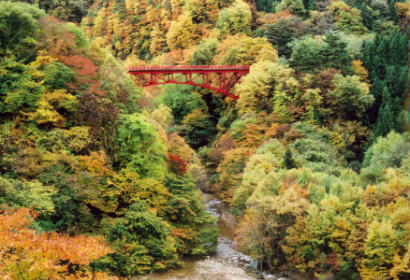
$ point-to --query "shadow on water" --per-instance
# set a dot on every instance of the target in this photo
(226, 263)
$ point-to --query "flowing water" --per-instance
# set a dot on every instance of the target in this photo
(226, 263)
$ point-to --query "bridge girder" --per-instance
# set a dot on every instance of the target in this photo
(217, 78)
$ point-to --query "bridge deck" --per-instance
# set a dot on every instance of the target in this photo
(211, 68)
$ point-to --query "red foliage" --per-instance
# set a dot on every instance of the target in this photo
(176, 164)
(86, 72)
(333, 262)
(82, 65)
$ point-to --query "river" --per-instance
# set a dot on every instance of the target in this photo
(226, 263)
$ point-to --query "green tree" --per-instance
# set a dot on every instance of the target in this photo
(18, 91)
(367, 14)
(368, 56)
(57, 75)
(350, 98)
(385, 121)
(394, 44)
(351, 22)
(380, 66)
(334, 54)
(283, 32)
(288, 160)
(403, 82)
(139, 146)
(202, 128)
(311, 5)
(306, 54)
(387, 151)
(376, 90)
(265, 5)
(22, 193)
(142, 243)
(18, 27)
(394, 16)
(181, 100)
(315, 54)
(205, 53)
(295, 7)
(382, 49)
(391, 81)
(403, 50)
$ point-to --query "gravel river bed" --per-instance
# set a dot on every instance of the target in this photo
(226, 263)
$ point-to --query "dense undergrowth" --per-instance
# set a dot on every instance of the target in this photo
(313, 158)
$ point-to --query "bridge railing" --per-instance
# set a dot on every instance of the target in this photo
(187, 67)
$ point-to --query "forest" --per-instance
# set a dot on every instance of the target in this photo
(102, 179)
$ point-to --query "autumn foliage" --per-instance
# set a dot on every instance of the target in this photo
(100, 174)
(30, 255)
(177, 165)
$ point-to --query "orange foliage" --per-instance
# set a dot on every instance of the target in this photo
(230, 170)
(252, 135)
(226, 143)
(273, 18)
(182, 233)
(82, 65)
(57, 41)
(27, 255)
(360, 71)
(176, 145)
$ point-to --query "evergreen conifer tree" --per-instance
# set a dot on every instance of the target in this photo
(366, 51)
(376, 90)
(289, 161)
(403, 82)
(400, 122)
(316, 116)
(380, 66)
(382, 49)
(265, 6)
(311, 5)
(391, 81)
(305, 4)
(387, 98)
(394, 49)
(366, 119)
(378, 39)
(334, 54)
(398, 105)
(367, 17)
(368, 56)
(403, 52)
(394, 16)
(385, 121)
(368, 63)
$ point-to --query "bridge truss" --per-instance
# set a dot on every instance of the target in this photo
(219, 78)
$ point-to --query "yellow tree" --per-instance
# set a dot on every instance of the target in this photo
(181, 34)
(249, 51)
(235, 19)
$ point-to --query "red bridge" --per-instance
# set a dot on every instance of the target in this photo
(217, 78)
